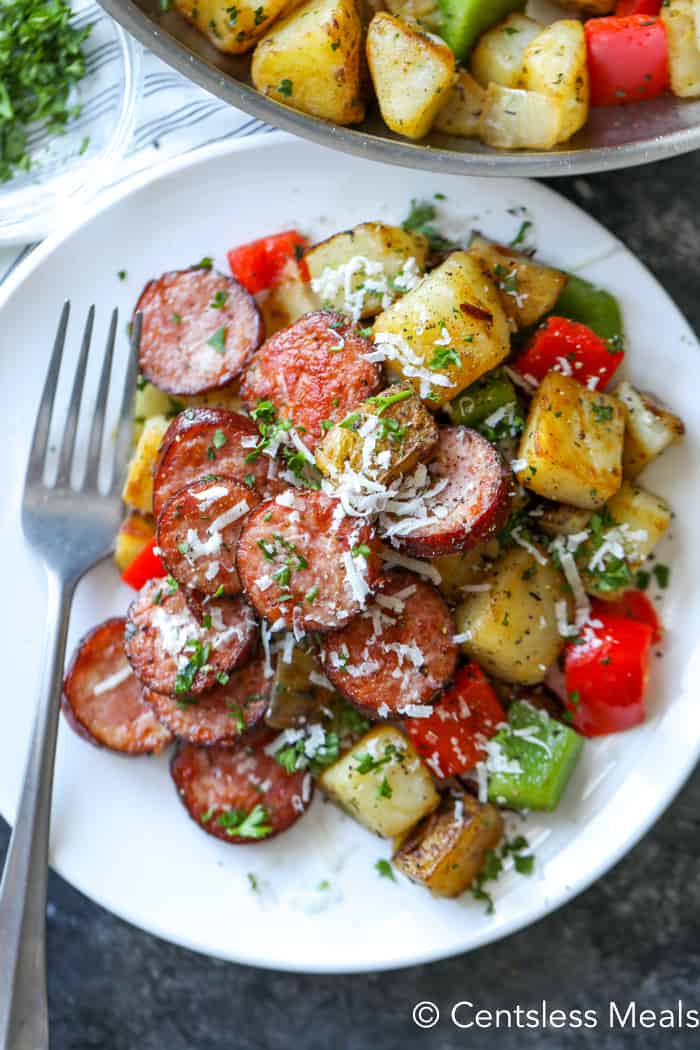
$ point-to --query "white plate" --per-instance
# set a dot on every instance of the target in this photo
(119, 833)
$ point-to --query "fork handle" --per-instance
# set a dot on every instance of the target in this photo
(24, 1023)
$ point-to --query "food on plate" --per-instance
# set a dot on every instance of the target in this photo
(199, 330)
(402, 557)
(102, 697)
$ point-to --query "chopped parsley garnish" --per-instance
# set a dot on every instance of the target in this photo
(523, 862)
(239, 824)
(176, 319)
(367, 763)
(235, 711)
(420, 219)
(384, 789)
(218, 340)
(295, 756)
(521, 236)
(219, 592)
(602, 412)
(219, 439)
(383, 401)
(172, 584)
(205, 263)
(311, 594)
(443, 357)
(663, 575)
(219, 300)
(121, 274)
(385, 870)
(184, 679)
(361, 551)
(286, 87)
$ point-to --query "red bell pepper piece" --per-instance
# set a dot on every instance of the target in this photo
(627, 59)
(145, 566)
(451, 738)
(634, 605)
(637, 7)
(262, 264)
(606, 673)
(572, 348)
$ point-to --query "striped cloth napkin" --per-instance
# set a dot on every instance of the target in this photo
(173, 117)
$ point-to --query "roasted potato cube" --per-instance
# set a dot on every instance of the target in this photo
(363, 270)
(649, 429)
(299, 689)
(233, 29)
(571, 448)
(403, 435)
(516, 119)
(557, 519)
(286, 303)
(311, 61)
(382, 782)
(467, 571)
(461, 114)
(135, 533)
(498, 57)
(555, 64)
(412, 73)
(528, 289)
(682, 21)
(447, 332)
(426, 13)
(149, 401)
(512, 628)
(138, 487)
(646, 516)
(446, 851)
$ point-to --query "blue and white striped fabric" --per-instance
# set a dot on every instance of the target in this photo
(173, 117)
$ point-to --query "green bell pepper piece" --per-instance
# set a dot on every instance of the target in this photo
(585, 302)
(541, 770)
(478, 401)
(463, 21)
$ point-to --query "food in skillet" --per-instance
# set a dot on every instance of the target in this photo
(398, 553)
(483, 69)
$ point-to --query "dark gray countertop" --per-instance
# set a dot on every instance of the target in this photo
(634, 935)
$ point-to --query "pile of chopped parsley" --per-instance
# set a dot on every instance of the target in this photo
(41, 60)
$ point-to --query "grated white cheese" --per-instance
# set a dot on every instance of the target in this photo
(529, 547)
(113, 680)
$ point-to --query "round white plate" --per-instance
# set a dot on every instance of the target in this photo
(119, 833)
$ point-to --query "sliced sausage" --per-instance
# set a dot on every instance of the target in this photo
(172, 653)
(206, 443)
(222, 714)
(314, 370)
(468, 497)
(199, 330)
(221, 787)
(102, 696)
(398, 654)
(198, 530)
(301, 559)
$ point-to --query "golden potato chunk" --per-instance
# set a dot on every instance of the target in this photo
(498, 56)
(286, 303)
(362, 270)
(571, 448)
(528, 289)
(446, 851)
(512, 629)
(649, 430)
(384, 437)
(461, 114)
(382, 782)
(646, 517)
(516, 119)
(412, 73)
(426, 13)
(138, 487)
(233, 28)
(447, 332)
(135, 533)
(466, 571)
(311, 61)
(299, 689)
(682, 21)
(555, 64)
(149, 401)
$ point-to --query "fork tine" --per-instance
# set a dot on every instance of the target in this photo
(65, 458)
(92, 468)
(37, 454)
(122, 444)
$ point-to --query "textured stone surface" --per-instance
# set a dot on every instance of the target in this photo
(636, 934)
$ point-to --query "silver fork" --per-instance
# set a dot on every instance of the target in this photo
(70, 529)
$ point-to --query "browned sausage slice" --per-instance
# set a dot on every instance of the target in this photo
(398, 654)
(222, 714)
(206, 443)
(471, 489)
(102, 696)
(301, 559)
(200, 329)
(315, 370)
(198, 532)
(240, 795)
(172, 653)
